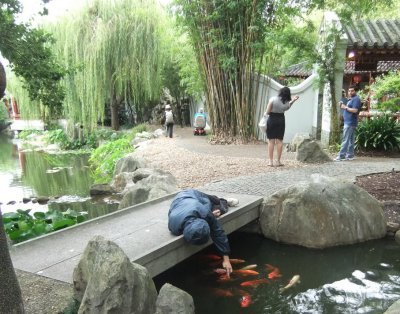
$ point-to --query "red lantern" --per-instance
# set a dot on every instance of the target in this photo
(357, 78)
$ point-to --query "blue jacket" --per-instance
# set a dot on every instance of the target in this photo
(350, 118)
(190, 204)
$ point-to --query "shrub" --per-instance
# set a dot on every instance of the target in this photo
(105, 157)
(379, 133)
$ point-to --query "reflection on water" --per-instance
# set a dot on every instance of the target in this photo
(64, 178)
(362, 278)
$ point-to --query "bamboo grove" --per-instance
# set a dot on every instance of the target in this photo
(113, 52)
(228, 37)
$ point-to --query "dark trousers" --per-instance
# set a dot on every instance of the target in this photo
(170, 127)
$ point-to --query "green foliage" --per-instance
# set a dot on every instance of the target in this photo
(3, 112)
(21, 225)
(25, 134)
(113, 51)
(28, 50)
(379, 133)
(105, 157)
(386, 90)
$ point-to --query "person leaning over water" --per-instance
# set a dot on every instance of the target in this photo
(276, 123)
(194, 214)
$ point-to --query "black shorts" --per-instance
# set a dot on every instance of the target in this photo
(276, 126)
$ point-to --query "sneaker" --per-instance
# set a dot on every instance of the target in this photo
(338, 158)
(350, 158)
(232, 201)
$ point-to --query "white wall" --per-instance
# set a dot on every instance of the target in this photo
(303, 115)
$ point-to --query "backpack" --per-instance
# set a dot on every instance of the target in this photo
(169, 117)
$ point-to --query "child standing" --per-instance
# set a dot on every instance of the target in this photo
(169, 120)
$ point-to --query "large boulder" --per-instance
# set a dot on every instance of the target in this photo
(100, 189)
(129, 163)
(321, 213)
(105, 281)
(154, 183)
(309, 151)
(142, 137)
(297, 139)
(394, 308)
(172, 300)
(121, 180)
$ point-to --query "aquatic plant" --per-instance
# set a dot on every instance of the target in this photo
(21, 225)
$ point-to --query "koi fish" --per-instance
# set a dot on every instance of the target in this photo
(252, 266)
(245, 300)
(253, 283)
(222, 292)
(211, 257)
(245, 272)
(294, 281)
(223, 278)
(274, 274)
(219, 271)
(270, 267)
(236, 261)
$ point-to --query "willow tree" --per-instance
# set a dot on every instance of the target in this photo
(114, 52)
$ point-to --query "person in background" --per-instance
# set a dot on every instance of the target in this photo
(350, 121)
(169, 120)
(276, 123)
(194, 214)
(343, 100)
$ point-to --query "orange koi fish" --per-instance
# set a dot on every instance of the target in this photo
(236, 261)
(223, 278)
(253, 283)
(270, 267)
(252, 266)
(211, 257)
(245, 272)
(274, 274)
(219, 271)
(245, 300)
(222, 292)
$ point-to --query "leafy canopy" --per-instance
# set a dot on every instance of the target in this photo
(29, 53)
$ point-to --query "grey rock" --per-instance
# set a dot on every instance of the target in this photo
(26, 200)
(158, 133)
(397, 236)
(309, 151)
(105, 281)
(172, 300)
(129, 163)
(297, 139)
(121, 180)
(157, 184)
(43, 200)
(392, 227)
(101, 189)
(394, 308)
(321, 213)
(143, 173)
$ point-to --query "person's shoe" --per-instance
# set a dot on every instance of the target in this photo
(232, 201)
(338, 158)
(350, 158)
(270, 164)
(278, 164)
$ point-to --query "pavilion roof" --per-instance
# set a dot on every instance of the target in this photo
(373, 34)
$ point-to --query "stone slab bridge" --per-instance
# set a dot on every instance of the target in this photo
(141, 231)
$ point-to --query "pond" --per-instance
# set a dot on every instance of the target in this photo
(61, 181)
(362, 278)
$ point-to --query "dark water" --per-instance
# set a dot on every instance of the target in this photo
(64, 178)
(362, 278)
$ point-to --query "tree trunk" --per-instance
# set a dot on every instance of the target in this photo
(114, 113)
(10, 292)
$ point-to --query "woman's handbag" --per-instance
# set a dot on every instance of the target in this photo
(263, 123)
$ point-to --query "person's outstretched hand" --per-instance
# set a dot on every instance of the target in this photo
(226, 264)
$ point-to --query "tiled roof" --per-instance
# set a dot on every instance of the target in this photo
(374, 34)
(382, 66)
(299, 70)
